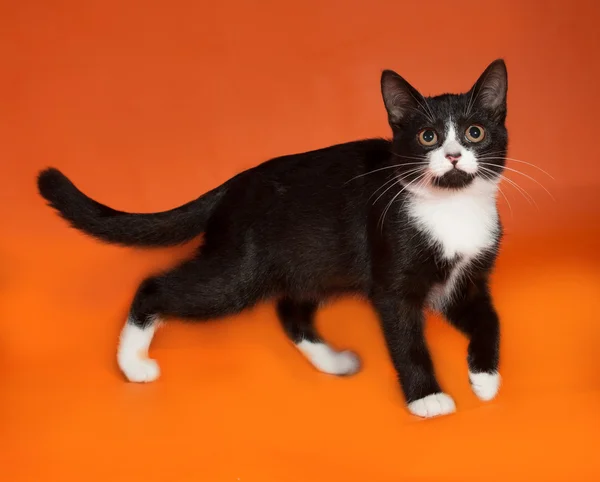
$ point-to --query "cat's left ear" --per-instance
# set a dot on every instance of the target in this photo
(489, 92)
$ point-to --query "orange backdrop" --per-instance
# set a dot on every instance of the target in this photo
(146, 104)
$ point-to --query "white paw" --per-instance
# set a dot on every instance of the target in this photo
(328, 360)
(432, 405)
(485, 385)
(132, 355)
(141, 370)
(345, 363)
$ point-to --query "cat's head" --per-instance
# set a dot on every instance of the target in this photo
(448, 141)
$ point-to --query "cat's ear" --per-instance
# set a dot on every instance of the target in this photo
(489, 92)
(399, 96)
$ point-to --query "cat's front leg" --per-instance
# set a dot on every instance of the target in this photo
(402, 322)
(473, 313)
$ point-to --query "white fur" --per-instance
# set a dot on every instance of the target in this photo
(432, 405)
(132, 355)
(328, 360)
(439, 165)
(462, 222)
(485, 385)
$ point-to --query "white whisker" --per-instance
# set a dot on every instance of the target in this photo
(416, 158)
(398, 180)
(523, 174)
(382, 218)
(507, 201)
(383, 169)
(393, 179)
(427, 114)
(489, 178)
(486, 158)
(528, 197)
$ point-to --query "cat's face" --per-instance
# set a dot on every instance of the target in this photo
(447, 142)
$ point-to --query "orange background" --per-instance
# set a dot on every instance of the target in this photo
(146, 104)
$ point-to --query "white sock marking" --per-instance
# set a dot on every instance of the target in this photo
(485, 385)
(328, 360)
(432, 405)
(132, 355)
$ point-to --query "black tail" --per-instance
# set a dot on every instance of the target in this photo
(166, 228)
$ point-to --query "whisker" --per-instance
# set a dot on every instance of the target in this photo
(427, 106)
(468, 108)
(486, 158)
(528, 197)
(423, 182)
(402, 156)
(527, 176)
(383, 169)
(421, 112)
(512, 214)
(412, 163)
(382, 218)
(398, 180)
(489, 178)
(394, 178)
(427, 114)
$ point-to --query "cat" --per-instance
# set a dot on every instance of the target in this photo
(410, 223)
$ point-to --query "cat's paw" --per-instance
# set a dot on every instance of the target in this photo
(328, 360)
(140, 370)
(346, 363)
(485, 385)
(340, 363)
(432, 405)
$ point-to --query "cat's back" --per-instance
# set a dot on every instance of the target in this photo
(308, 182)
(308, 208)
(331, 166)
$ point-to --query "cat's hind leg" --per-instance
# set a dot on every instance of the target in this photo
(209, 286)
(297, 318)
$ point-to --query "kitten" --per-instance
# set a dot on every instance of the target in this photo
(409, 223)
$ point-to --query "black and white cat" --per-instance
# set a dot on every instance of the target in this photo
(408, 223)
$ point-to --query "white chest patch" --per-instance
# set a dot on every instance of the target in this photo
(462, 223)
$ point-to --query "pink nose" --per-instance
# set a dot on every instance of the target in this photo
(453, 158)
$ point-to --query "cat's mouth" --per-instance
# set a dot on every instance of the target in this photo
(453, 179)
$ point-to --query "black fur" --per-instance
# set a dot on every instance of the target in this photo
(306, 227)
(156, 229)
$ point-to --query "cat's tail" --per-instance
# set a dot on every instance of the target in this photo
(165, 228)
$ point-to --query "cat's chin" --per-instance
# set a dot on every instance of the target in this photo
(453, 179)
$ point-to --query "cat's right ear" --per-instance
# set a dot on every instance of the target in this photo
(399, 97)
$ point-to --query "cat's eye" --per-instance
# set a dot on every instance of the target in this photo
(428, 137)
(475, 133)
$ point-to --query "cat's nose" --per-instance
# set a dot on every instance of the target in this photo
(453, 158)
